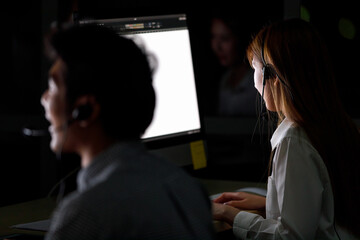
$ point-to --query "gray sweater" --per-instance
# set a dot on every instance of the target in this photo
(127, 193)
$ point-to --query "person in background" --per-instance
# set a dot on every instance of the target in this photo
(313, 190)
(99, 102)
(229, 38)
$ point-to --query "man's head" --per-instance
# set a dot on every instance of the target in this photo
(108, 74)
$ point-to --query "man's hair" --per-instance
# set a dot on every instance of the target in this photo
(114, 70)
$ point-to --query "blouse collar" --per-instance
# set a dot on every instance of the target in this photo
(280, 132)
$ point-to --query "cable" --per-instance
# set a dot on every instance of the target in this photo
(337, 234)
(58, 154)
(61, 183)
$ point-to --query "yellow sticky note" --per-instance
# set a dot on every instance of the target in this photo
(198, 154)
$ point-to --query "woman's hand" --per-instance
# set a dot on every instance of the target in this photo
(229, 204)
(242, 200)
(224, 213)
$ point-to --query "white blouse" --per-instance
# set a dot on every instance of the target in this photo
(299, 201)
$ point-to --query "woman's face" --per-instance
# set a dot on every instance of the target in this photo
(54, 103)
(258, 83)
(223, 43)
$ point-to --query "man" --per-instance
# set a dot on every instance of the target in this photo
(99, 102)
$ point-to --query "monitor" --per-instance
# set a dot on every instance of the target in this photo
(176, 121)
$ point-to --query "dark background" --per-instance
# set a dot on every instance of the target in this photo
(29, 169)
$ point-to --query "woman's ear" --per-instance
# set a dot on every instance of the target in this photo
(86, 110)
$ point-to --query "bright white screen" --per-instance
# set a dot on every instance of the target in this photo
(176, 100)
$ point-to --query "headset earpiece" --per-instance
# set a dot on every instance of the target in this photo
(266, 74)
(82, 112)
(266, 68)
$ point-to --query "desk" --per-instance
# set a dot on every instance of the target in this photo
(22, 213)
(42, 208)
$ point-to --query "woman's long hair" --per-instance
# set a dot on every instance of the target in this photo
(308, 96)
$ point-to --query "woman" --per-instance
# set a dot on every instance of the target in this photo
(313, 190)
(235, 88)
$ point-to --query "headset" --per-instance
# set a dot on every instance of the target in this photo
(80, 113)
(269, 72)
(266, 71)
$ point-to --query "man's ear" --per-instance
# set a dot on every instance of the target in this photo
(86, 110)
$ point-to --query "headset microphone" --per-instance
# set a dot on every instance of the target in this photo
(30, 132)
